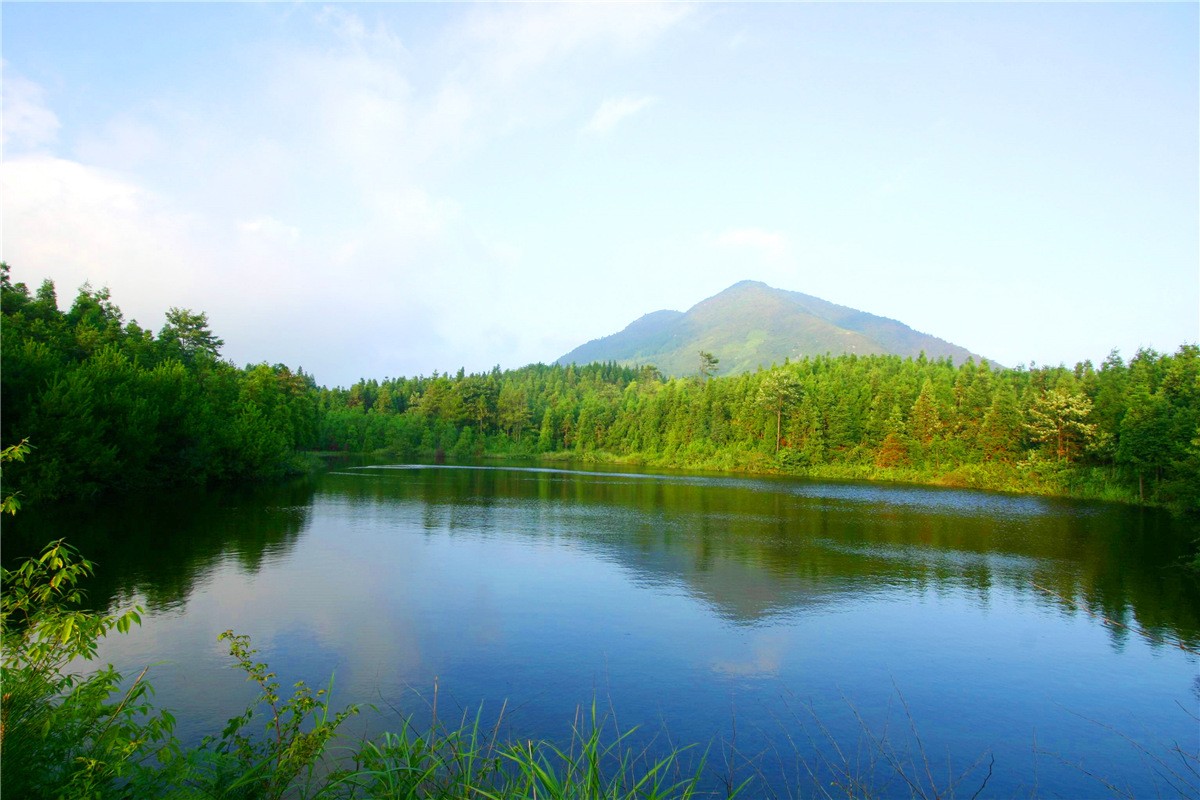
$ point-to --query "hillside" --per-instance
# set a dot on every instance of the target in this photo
(751, 324)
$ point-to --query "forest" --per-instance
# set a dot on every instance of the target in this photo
(108, 405)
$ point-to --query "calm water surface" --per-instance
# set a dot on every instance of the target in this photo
(772, 617)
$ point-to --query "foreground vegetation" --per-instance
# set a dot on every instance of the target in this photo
(112, 406)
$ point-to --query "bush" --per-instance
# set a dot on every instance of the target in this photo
(65, 733)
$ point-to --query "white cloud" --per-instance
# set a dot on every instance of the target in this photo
(270, 228)
(365, 103)
(509, 42)
(90, 224)
(323, 225)
(418, 212)
(771, 244)
(269, 299)
(350, 109)
(123, 143)
(350, 27)
(613, 110)
(28, 123)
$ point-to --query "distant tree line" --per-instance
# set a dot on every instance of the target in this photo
(108, 404)
(1128, 431)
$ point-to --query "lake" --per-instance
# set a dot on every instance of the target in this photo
(788, 627)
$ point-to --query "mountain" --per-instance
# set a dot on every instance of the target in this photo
(752, 324)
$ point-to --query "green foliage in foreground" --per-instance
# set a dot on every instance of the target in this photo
(65, 733)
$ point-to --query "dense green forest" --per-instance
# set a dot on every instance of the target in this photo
(108, 405)
(1125, 431)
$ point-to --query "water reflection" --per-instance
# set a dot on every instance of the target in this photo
(752, 548)
(677, 597)
(159, 548)
(756, 548)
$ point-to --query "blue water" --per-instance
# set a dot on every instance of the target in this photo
(796, 631)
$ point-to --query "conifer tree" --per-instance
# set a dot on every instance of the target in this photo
(893, 449)
(1058, 418)
(1000, 434)
(1144, 442)
(187, 335)
(512, 410)
(778, 390)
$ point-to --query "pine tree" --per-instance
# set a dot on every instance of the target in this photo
(1000, 434)
(1058, 418)
(1145, 435)
(546, 439)
(512, 410)
(778, 390)
(925, 423)
(187, 335)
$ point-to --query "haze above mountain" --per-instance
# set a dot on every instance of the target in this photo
(751, 324)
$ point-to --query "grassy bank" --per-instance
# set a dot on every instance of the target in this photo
(1033, 477)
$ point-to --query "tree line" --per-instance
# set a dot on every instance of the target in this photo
(1126, 431)
(110, 405)
(107, 405)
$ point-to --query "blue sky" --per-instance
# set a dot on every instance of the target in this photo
(389, 189)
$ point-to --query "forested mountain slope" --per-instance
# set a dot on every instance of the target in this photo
(750, 325)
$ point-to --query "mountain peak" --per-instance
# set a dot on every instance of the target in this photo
(746, 284)
(751, 324)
